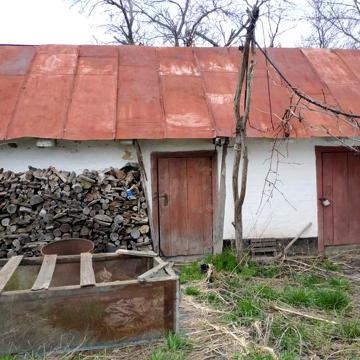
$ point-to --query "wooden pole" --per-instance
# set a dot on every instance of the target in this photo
(219, 235)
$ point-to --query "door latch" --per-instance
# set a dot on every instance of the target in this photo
(325, 202)
(165, 197)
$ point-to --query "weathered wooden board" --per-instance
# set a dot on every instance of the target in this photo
(73, 317)
(87, 275)
(8, 270)
(45, 275)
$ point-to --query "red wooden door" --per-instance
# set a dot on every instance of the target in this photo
(185, 205)
(340, 198)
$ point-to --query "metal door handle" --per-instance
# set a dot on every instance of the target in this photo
(165, 197)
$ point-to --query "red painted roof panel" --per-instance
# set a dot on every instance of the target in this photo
(126, 92)
(42, 107)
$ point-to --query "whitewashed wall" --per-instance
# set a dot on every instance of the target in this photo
(66, 155)
(282, 216)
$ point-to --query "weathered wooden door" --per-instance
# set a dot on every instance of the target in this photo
(185, 204)
(339, 197)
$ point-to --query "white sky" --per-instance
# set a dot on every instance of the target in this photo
(54, 22)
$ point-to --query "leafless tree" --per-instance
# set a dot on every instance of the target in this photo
(183, 22)
(322, 33)
(124, 19)
(276, 19)
(335, 23)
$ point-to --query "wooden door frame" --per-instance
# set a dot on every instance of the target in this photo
(154, 188)
(319, 150)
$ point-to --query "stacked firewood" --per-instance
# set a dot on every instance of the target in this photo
(42, 206)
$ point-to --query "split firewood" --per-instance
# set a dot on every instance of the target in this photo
(39, 206)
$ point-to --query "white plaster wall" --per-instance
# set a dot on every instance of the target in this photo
(284, 214)
(66, 155)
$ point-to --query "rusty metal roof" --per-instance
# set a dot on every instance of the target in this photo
(126, 92)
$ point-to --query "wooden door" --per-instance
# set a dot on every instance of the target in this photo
(185, 205)
(339, 197)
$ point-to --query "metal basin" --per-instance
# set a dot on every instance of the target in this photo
(68, 247)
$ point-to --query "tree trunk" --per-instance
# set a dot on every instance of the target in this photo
(240, 145)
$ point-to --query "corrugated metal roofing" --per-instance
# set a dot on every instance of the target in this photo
(127, 92)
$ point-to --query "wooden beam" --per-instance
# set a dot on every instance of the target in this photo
(136, 253)
(8, 270)
(45, 274)
(144, 180)
(160, 265)
(219, 232)
(87, 275)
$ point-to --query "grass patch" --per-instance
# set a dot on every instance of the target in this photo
(176, 342)
(176, 348)
(350, 329)
(328, 299)
(329, 265)
(192, 291)
(297, 296)
(190, 272)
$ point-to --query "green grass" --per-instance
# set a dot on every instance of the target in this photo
(329, 299)
(191, 272)
(297, 296)
(350, 329)
(191, 290)
(176, 348)
(329, 265)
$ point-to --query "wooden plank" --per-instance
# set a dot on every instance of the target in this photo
(8, 270)
(340, 200)
(136, 253)
(354, 198)
(263, 249)
(46, 272)
(87, 276)
(161, 264)
(219, 232)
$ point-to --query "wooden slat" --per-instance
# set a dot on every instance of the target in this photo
(87, 276)
(8, 270)
(136, 253)
(160, 265)
(46, 272)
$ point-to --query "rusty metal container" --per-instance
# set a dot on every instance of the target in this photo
(68, 247)
(87, 301)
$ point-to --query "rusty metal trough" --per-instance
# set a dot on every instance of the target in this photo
(87, 301)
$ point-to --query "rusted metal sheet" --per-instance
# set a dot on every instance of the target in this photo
(126, 92)
(116, 307)
(186, 110)
(42, 107)
(139, 108)
(15, 60)
(93, 108)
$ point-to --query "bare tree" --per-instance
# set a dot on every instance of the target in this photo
(322, 32)
(275, 20)
(182, 22)
(334, 23)
(124, 20)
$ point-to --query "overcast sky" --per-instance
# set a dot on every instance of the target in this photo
(53, 22)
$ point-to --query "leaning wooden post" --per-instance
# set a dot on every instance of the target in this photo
(219, 235)
(144, 178)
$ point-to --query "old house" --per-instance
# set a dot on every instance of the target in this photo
(93, 101)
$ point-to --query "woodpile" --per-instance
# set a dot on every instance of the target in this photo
(41, 206)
